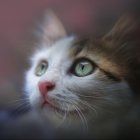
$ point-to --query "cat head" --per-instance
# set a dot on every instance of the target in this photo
(82, 79)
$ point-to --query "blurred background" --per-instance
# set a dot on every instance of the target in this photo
(18, 19)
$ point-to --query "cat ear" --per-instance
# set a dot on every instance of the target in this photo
(52, 28)
(127, 27)
(122, 44)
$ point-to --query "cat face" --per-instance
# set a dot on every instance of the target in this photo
(77, 79)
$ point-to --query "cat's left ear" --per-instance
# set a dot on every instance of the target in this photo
(126, 28)
(52, 28)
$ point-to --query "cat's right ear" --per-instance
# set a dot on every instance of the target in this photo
(52, 28)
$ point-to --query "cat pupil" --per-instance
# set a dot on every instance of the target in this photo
(42, 67)
(82, 66)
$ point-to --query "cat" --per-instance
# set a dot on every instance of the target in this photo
(86, 87)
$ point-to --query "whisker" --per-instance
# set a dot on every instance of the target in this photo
(82, 117)
(18, 101)
(21, 108)
(89, 106)
(64, 117)
(91, 96)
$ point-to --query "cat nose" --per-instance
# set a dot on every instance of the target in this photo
(46, 86)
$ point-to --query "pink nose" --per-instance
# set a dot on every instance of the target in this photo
(45, 86)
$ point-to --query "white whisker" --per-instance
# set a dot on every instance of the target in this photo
(91, 96)
(89, 106)
(82, 117)
(18, 100)
(64, 117)
(21, 107)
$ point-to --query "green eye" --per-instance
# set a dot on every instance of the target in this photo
(83, 68)
(41, 68)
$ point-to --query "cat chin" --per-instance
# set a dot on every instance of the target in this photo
(58, 116)
(59, 119)
(58, 111)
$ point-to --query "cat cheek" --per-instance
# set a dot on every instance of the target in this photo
(35, 99)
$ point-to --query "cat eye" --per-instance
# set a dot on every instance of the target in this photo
(83, 67)
(41, 68)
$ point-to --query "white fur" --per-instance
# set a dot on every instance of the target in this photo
(57, 57)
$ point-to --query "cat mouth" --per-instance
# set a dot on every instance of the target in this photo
(60, 110)
(46, 104)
